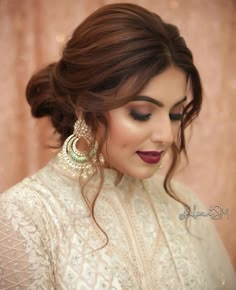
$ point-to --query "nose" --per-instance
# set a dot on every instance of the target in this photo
(163, 131)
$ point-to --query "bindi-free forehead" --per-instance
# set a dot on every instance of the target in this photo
(168, 89)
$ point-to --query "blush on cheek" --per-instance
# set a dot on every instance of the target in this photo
(124, 146)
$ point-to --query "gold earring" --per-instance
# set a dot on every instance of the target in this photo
(160, 166)
(80, 163)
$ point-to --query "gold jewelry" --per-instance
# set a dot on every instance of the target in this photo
(80, 163)
(160, 167)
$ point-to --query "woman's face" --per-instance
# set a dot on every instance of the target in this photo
(141, 129)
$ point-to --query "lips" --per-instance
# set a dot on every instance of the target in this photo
(151, 157)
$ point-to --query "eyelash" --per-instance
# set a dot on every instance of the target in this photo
(140, 117)
(145, 117)
(176, 117)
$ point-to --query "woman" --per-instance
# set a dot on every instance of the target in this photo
(98, 216)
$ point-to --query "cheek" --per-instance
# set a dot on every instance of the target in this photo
(176, 129)
(118, 136)
(123, 133)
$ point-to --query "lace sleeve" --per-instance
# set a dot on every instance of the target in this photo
(24, 258)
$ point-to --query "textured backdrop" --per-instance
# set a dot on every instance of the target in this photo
(32, 33)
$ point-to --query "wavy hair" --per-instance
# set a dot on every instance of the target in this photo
(115, 44)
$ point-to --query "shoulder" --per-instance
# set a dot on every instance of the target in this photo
(24, 191)
(186, 194)
(199, 218)
(34, 188)
(25, 201)
(30, 207)
(180, 191)
(204, 237)
(43, 196)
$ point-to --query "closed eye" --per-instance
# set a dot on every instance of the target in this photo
(144, 117)
(139, 117)
(176, 117)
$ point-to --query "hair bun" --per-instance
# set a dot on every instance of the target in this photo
(39, 93)
(44, 101)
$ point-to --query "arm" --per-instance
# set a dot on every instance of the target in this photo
(24, 256)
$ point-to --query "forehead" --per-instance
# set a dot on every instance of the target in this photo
(168, 87)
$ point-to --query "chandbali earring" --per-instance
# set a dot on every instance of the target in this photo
(80, 163)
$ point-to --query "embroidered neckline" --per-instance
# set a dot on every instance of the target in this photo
(110, 175)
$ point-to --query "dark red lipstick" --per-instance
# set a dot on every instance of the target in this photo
(151, 157)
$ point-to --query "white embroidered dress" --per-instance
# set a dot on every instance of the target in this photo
(48, 239)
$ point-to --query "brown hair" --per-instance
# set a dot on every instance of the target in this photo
(117, 43)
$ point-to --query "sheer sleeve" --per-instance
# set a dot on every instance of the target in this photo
(25, 261)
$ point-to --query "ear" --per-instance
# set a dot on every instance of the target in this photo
(79, 115)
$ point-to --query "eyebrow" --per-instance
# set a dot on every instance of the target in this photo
(156, 102)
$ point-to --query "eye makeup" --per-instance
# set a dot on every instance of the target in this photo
(175, 117)
(139, 116)
(142, 112)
